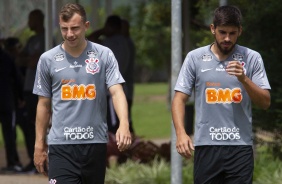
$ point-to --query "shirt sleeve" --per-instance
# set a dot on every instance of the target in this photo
(259, 76)
(42, 83)
(186, 77)
(113, 75)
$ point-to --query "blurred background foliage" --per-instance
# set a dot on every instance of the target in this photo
(151, 31)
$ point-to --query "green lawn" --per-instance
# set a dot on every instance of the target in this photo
(150, 112)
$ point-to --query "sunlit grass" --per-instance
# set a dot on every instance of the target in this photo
(150, 113)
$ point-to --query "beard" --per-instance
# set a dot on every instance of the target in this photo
(225, 51)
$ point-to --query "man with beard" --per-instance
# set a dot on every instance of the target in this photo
(227, 79)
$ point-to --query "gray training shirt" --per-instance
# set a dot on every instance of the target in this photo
(78, 88)
(223, 107)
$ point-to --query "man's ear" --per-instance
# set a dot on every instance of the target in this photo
(212, 29)
(87, 24)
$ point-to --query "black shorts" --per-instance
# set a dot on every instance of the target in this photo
(77, 163)
(223, 165)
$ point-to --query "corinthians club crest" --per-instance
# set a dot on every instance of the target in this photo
(92, 65)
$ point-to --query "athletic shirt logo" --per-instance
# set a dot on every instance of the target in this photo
(238, 57)
(207, 57)
(224, 133)
(91, 54)
(59, 57)
(79, 133)
(52, 181)
(223, 96)
(92, 65)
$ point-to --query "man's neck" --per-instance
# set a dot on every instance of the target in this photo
(216, 51)
(75, 51)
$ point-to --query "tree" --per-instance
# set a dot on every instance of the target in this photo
(150, 30)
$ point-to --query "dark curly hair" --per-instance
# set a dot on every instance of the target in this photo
(227, 16)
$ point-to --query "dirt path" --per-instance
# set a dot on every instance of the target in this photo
(20, 178)
(23, 179)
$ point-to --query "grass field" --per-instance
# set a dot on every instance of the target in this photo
(150, 112)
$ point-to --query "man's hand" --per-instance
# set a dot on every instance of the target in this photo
(123, 138)
(184, 145)
(40, 160)
(236, 68)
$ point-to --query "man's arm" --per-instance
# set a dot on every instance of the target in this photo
(259, 96)
(43, 116)
(123, 136)
(184, 144)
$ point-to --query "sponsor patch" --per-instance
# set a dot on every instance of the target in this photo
(91, 54)
(220, 68)
(207, 57)
(59, 57)
(78, 92)
(217, 84)
(224, 133)
(79, 133)
(238, 57)
(75, 65)
(223, 96)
